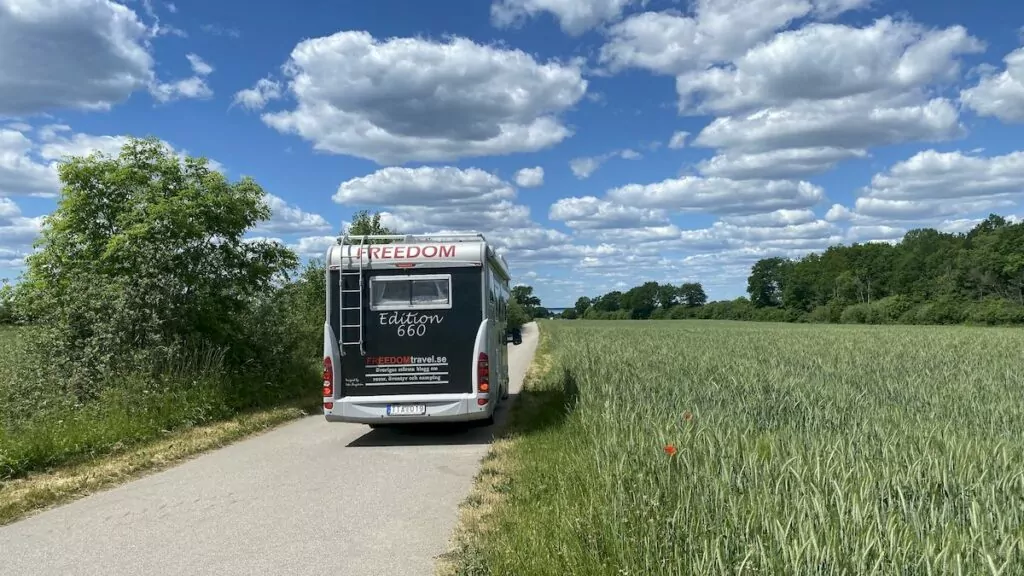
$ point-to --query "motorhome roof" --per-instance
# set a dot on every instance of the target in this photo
(414, 251)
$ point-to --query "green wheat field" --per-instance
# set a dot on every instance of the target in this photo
(799, 449)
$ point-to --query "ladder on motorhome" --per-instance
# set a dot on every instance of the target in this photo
(348, 272)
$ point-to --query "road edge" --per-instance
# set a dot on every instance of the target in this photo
(475, 510)
(26, 497)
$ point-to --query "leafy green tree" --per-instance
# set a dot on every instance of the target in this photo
(692, 294)
(766, 282)
(582, 304)
(365, 223)
(530, 303)
(517, 315)
(641, 300)
(668, 296)
(146, 250)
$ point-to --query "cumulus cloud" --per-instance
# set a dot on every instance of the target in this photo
(827, 62)
(43, 43)
(1000, 95)
(933, 184)
(17, 233)
(530, 177)
(433, 199)
(678, 139)
(412, 99)
(425, 186)
(718, 30)
(287, 218)
(257, 97)
(852, 123)
(777, 164)
(574, 16)
(589, 212)
(585, 166)
(194, 86)
(719, 195)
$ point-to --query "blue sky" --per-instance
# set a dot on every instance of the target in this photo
(599, 143)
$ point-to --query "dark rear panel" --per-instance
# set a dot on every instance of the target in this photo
(413, 351)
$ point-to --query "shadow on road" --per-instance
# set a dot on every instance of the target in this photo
(440, 434)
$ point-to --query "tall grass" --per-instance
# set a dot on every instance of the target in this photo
(42, 425)
(799, 449)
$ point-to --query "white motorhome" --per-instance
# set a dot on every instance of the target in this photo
(415, 329)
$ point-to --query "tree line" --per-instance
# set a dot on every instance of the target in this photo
(929, 277)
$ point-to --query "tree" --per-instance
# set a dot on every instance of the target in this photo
(530, 303)
(146, 250)
(364, 223)
(668, 296)
(692, 294)
(641, 300)
(582, 304)
(517, 316)
(766, 282)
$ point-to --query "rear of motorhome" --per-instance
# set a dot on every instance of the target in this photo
(415, 329)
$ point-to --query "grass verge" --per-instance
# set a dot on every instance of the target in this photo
(540, 405)
(24, 496)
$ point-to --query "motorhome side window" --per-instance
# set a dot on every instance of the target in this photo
(410, 292)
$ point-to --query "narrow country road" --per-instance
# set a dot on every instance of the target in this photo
(306, 498)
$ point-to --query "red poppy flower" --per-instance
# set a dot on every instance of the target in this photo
(670, 450)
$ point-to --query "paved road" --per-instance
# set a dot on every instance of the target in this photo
(306, 498)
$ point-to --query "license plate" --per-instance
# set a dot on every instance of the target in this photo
(406, 409)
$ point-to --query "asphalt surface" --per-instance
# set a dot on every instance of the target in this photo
(309, 497)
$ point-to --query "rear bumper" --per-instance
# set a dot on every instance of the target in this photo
(439, 408)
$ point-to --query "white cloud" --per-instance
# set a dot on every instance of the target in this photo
(1000, 95)
(678, 139)
(774, 218)
(719, 195)
(425, 186)
(412, 99)
(777, 164)
(718, 30)
(574, 16)
(199, 66)
(28, 165)
(435, 199)
(257, 97)
(312, 246)
(290, 219)
(530, 177)
(584, 167)
(933, 184)
(22, 174)
(194, 86)
(827, 62)
(43, 44)
(855, 122)
(17, 234)
(589, 212)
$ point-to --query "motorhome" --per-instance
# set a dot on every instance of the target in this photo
(415, 329)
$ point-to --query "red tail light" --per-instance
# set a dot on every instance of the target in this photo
(483, 373)
(328, 377)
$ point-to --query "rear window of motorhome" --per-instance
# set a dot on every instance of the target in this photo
(403, 292)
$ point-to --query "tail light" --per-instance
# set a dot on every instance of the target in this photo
(483, 375)
(328, 377)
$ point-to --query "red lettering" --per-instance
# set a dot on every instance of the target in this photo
(448, 251)
(430, 251)
(399, 251)
(412, 252)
